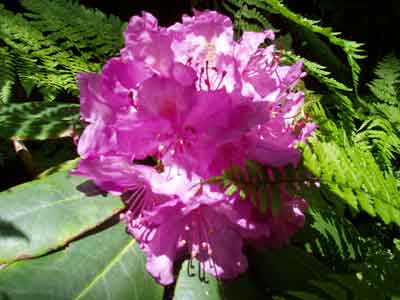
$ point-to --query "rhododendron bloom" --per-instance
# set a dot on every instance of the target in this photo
(177, 107)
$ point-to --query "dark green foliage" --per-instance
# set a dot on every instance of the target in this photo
(38, 121)
(89, 33)
(333, 236)
(250, 15)
(46, 49)
(316, 70)
(380, 130)
(7, 75)
(386, 86)
(353, 175)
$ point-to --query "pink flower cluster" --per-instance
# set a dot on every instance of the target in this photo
(178, 106)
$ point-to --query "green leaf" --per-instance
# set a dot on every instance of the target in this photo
(38, 120)
(42, 215)
(291, 271)
(108, 265)
(190, 287)
(288, 267)
(64, 166)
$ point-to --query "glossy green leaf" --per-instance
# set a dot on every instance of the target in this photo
(108, 265)
(38, 120)
(42, 215)
(190, 287)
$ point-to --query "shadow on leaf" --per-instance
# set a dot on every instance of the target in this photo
(90, 189)
(8, 229)
(4, 296)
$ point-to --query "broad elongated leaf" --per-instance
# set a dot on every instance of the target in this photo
(42, 215)
(38, 120)
(190, 287)
(108, 265)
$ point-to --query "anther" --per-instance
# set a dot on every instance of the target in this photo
(202, 272)
(189, 268)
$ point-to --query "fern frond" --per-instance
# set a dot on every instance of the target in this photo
(250, 19)
(352, 49)
(248, 16)
(7, 74)
(354, 176)
(378, 133)
(38, 60)
(38, 121)
(89, 32)
(336, 236)
(386, 86)
(391, 113)
(256, 3)
(316, 70)
(262, 185)
(348, 172)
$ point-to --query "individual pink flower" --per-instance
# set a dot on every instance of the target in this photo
(195, 222)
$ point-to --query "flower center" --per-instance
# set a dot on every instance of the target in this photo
(177, 143)
(211, 78)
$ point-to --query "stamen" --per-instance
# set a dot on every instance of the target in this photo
(222, 79)
(135, 198)
(202, 272)
(190, 267)
(201, 76)
(207, 77)
(207, 228)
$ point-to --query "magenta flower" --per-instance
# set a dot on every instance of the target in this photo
(203, 232)
(202, 224)
(180, 105)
